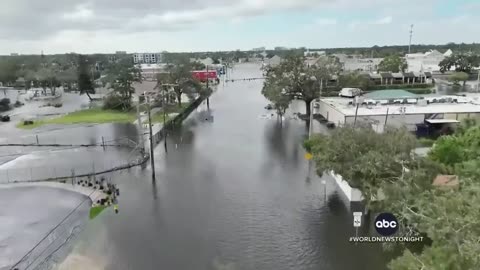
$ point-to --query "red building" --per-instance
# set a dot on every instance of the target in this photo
(203, 75)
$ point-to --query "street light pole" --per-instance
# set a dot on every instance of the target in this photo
(152, 161)
(311, 111)
(478, 80)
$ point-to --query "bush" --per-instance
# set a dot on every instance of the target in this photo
(116, 102)
(4, 104)
(426, 142)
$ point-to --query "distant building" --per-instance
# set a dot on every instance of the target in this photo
(120, 52)
(260, 49)
(428, 61)
(149, 71)
(273, 62)
(280, 48)
(357, 63)
(309, 53)
(14, 54)
(147, 58)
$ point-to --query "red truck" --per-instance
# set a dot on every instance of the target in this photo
(203, 75)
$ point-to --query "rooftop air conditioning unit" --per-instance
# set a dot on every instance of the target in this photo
(422, 102)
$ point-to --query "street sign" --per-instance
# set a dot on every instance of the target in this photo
(357, 219)
(308, 156)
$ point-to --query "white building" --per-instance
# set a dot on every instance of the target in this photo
(147, 58)
(361, 64)
(149, 71)
(445, 109)
(428, 61)
(357, 63)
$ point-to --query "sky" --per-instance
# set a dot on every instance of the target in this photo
(106, 26)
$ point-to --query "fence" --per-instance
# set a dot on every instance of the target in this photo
(58, 173)
(53, 247)
(69, 140)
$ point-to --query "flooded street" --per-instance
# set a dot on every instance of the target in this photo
(232, 192)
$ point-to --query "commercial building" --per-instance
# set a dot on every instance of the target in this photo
(399, 108)
(147, 58)
(149, 71)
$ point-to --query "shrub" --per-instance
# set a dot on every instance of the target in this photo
(116, 102)
(426, 142)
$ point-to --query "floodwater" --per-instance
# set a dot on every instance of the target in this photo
(232, 192)
(28, 214)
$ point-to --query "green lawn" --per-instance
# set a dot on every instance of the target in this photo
(173, 108)
(96, 115)
(95, 211)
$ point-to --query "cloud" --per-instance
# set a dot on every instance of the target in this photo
(384, 20)
(325, 21)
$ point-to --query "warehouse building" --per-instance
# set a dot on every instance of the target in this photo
(399, 108)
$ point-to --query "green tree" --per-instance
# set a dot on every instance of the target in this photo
(366, 159)
(84, 79)
(8, 71)
(180, 79)
(354, 79)
(461, 62)
(393, 63)
(458, 77)
(296, 79)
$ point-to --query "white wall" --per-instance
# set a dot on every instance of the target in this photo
(331, 114)
(352, 194)
(408, 120)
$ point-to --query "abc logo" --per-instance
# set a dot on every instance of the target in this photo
(386, 224)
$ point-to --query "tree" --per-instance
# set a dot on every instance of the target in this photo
(8, 71)
(195, 65)
(355, 80)
(120, 77)
(84, 80)
(68, 77)
(457, 77)
(461, 62)
(448, 218)
(180, 79)
(277, 95)
(393, 63)
(366, 159)
(299, 80)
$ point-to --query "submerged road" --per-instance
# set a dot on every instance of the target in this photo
(231, 193)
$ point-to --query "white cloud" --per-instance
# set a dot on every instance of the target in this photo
(384, 20)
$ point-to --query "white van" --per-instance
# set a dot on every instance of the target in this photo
(350, 92)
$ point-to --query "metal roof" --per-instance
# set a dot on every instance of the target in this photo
(390, 94)
(441, 121)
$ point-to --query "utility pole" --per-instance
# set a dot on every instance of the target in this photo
(164, 107)
(208, 97)
(478, 80)
(411, 34)
(152, 161)
(140, 127)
